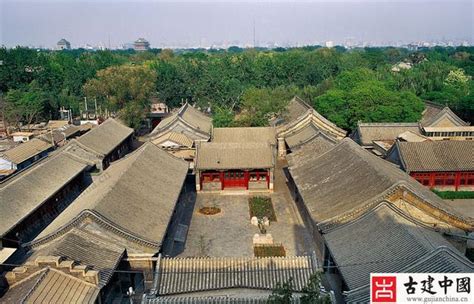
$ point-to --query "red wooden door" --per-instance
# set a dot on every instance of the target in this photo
(235, 179)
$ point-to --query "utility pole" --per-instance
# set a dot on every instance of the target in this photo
(254, 41)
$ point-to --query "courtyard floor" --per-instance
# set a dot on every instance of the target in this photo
(230, 232)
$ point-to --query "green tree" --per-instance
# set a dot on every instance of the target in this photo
(312, 291)
(126, 89)
(222, 117)
(24, 105)
(282, 293)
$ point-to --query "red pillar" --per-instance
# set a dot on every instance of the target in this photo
(246, 176)
(457, 180)
(221, 177)
(432, 178)
(268, 180)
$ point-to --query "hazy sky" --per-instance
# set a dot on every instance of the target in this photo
(202, 23)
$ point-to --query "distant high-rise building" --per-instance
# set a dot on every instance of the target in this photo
(63, 44)
(141, 45)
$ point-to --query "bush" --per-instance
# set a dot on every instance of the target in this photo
(262, 251)
(455, 194)
(262, 206)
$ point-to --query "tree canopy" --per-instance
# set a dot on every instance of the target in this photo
(250, 83)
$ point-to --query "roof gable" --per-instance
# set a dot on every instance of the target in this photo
(106, 137)
(444, 118)
(192, 118)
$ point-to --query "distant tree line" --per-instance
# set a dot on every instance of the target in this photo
(242, 87)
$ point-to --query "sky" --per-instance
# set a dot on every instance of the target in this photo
(194, 23)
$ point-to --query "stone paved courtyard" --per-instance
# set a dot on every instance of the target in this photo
(230, 233)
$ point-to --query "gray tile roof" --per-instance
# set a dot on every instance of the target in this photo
(444, 155)
(27, 192)
(211, 155)
(313, 148)
(49, 285)
(136, 194)
(431, 110)
(178, 138)
(244, 135)
(106, 137)
(435, 113)
(384, 240)
(86, 248)
(311, 117)
(186, 275)
(27, 150)
(296, 107)
(348, 177)
(304, 135)
(368, 132)
(191, 117)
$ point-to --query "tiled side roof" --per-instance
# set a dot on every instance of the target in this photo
(82, 246)
(196, 118)
(137, 194)
(305, 134)
(177, 275)
(368, 132)
(27, 150)
(347, 177)
(296, 108)
(106, 137)
(313, 148)
(211, 155)
(21, 196)
(383, 240)
(178, 138)
(244, 135)
(445, 155)
(56, 124)
(49, 285)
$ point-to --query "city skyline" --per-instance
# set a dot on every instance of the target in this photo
(109, 23)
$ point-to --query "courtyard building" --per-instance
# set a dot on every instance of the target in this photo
(437, 123)
(181, 131)
(441, 165)
(300, 124)
(120, 216)
(23, 156)
(238, 166)
(361, 209)
(107, 142)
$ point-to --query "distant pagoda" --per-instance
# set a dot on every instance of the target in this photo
(63, 44)
(141, 44)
